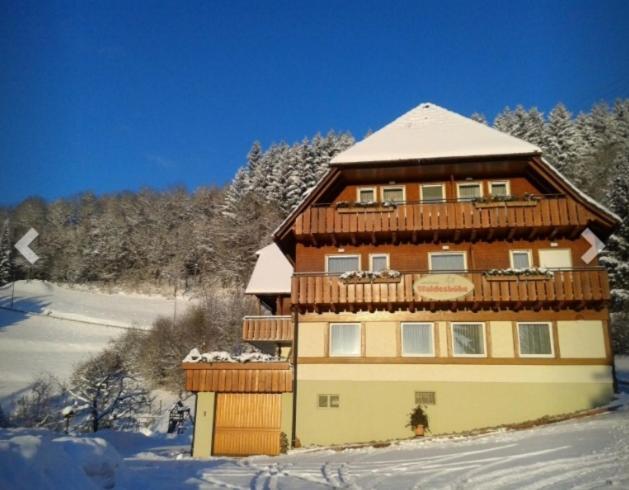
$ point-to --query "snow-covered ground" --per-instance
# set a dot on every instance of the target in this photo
(585, 453)
(120, 309)
(51, 328)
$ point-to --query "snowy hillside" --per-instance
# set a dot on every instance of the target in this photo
(51, 328)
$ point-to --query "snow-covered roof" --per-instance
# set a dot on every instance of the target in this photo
(272, 272)
(430, 131)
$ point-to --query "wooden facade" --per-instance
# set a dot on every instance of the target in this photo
(268, 328)
(541, 216)
(250, 377)
(577, 288)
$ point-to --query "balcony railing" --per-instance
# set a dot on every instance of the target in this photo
(575, 288)
(537, 215)
(269, 328)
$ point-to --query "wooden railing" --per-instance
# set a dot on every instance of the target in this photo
(566, 287)
(542, 213)
(250, 377)
(267, 328)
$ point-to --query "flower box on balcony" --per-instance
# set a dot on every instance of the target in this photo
(377, 280)
(365, 207)
(521, 204)
(367, 277)
(514, 277)
(530, 274)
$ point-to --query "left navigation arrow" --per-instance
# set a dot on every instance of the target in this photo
(23, 243)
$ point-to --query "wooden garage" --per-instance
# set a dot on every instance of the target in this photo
(242, 409)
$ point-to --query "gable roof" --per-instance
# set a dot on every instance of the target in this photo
(429, 131)
(272, 272)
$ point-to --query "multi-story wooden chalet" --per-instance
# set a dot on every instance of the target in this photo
(438, 262)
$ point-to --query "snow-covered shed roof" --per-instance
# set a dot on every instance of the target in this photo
(272, 272)
(429, 131)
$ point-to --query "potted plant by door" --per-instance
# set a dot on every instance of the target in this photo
(419, 421)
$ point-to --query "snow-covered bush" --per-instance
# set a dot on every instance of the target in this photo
(40, 405)
(108, 393)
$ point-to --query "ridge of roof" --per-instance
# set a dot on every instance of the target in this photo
(429, 131)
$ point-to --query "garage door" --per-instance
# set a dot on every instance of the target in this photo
(247, 423)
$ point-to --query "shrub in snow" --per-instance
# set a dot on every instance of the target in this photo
(109, 393)
(40, 405)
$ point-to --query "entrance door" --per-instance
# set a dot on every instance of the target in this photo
(555, 258)
(247, 423)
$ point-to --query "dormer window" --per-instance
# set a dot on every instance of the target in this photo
(468, 191)
(393, 194)
(500, 188)
(366, 194)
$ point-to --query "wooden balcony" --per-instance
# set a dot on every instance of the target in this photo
(230, 377)
(267, 329)
(541, 216)
(568, 288)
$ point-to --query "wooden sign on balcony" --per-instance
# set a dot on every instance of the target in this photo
(443, 287)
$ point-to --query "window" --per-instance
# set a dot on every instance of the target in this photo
(447, 261)
(432, 192)
(555, 258)
(345, 339)
(469, 191)
(393, 194)
(501, 188)
(366, 194)
(425, 398)
(329, 401)
(417, 339)
(468, 339)
(379, 262)
(337, 264)
(535, 339)
(521, 259)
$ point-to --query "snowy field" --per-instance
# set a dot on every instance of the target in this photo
(51, 328)
(586, 453)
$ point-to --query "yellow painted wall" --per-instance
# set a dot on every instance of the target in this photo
(374, 410)
(381, 339)
(203, 425)
(287, 415)
(311, 339)
(442, 348)
(501, 339)
(581, 338)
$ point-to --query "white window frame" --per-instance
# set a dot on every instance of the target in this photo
(432, 335)
(539, 257)
(345, 256)
(469, 182)
(527, 251)
(371, 257)
(506, 182)
(372, 189)
(550, 334)
(454, 252)
(454, 354)
(360, 339)
(421, 190)
(385, 187)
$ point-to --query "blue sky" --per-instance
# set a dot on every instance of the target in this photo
(109, 96)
